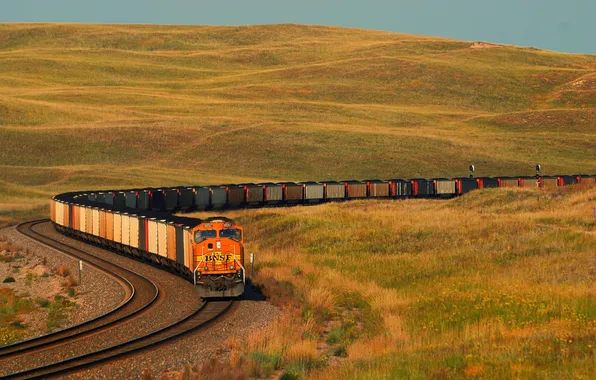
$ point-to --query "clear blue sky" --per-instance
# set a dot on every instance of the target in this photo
(561, 25)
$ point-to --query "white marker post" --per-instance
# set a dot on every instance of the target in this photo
(80, 269)
(252, 265)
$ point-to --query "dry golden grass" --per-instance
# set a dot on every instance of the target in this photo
(119, 106)
(419, 288)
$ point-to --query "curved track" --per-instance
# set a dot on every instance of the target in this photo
(141, 296)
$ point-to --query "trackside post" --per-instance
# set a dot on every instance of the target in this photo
(252, 264)
(80, 269)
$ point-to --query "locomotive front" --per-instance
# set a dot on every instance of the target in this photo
(218, 258)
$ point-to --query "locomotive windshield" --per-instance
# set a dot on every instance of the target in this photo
(231, 233)
(202, 235)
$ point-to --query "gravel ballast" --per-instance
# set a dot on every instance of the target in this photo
(178, 301)
(97, 293)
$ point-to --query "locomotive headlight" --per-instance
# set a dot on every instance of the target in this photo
(231, 267)
(206, 269)
(218, 245)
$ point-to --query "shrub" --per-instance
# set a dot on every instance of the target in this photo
(9, 279)
(62, 270)
(17, 324)
(71, 292)
(43, 302)
(70, 282)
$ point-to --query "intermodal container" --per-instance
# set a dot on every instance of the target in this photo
(378, 189)
(102, 224)
(235, 195)
(528, 182)
(117, 227)
(162, 238)
(185, 198)
(130, 200)
(157, 200)
(444, 187)
(202, 196)
(274, 193)
(549, 182)
(109, 225)
(465, 185)
(83, 219)
(134, 230)
(219, 197)
(171, 241)
(95, 222)
(334, 190)
(170, 197)
(508, 182)
(293, 192)
(254, 194)
(355, 189)
(152, 236)
(399, 188)
(143, 200)
(567, 180)
(53, 210)
(126, 229)
(313, 191)
(489, 182)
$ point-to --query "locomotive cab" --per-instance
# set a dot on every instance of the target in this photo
(218, 258)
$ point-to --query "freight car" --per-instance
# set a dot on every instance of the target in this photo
(210, 253)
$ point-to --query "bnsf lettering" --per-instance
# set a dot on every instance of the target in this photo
(219, 257)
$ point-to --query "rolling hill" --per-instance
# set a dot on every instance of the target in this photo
(112, 106)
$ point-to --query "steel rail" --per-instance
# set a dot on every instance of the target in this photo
(126, 310)
(206, 314)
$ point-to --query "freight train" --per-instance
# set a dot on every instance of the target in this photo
(210, 253)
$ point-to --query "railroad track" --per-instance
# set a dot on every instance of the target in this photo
(200, 318)
(141, 296)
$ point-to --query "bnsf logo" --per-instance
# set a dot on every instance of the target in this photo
(219, 257)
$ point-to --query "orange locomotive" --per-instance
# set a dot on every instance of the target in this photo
(209, 253)
(218, 258)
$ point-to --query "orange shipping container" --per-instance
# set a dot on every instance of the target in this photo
(162, 238)
(529, 182)
(125, 229)
(95, 216)
(102, 224)
(59, 213)
(356, 189)
(508, 182)
(65, 209)
(134, 230)
(109, 225)
(171, 242)
(89, 220)
(75, 217)
(152, 236)
(82, 219)
(118, 227)
(53, 210)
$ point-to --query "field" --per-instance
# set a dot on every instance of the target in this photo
(115, 106)
(499, 283)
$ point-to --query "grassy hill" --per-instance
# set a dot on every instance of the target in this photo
(499, 283)
(113, 106)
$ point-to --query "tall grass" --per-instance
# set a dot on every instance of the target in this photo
(498, 283)
(116, 106)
